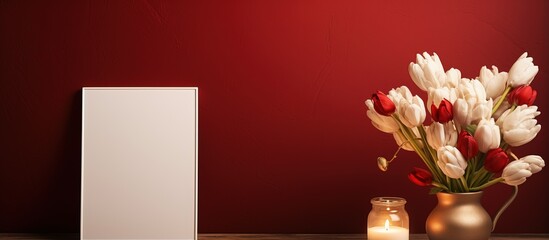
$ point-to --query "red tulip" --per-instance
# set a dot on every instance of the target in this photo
(443, 113)
(421, 177)
(467, 145)
(522, 95)
(383, 104)
(496, 160)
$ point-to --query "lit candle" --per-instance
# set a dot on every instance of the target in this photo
(387, 232)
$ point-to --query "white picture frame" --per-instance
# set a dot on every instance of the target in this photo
(139, 163)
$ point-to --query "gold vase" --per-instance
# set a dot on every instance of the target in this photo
(459, 216)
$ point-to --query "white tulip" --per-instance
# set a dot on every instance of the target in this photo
(463, 112)
(412, 113)
(397, 94)
(435, 96)
(470, 112)
(471, 90)
(536, 162)
(493, 81)
(519, 126)
(451, 162)
(523, 71)
(471, 105)
(487, 135)
(441, 134)
(409, 108)
(452, 78)
(516, 172)
(382, 123)
(427, 71)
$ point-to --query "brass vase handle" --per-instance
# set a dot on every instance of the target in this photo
(502, 209)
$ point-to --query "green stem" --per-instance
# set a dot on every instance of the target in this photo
(476, 177)
(480, 161)
(501, 99)
(431, 152)
(464, 183)
(487, 177)
(459, 185)
(490, 183)
(470, 169)
(482, 176)
(411, 137)
(503, 145)
(450, 186)
(436, 184)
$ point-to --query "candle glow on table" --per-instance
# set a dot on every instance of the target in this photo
(388, 232)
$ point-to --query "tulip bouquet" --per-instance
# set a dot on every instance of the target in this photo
(475, 125)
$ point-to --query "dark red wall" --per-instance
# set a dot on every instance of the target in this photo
(284, 141)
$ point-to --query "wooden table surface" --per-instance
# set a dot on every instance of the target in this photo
(22, 236)
(337, 237)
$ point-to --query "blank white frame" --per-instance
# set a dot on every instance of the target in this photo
(139, 163)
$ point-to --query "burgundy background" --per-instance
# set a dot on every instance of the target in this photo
(284, 142)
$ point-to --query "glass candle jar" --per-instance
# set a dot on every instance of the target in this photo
(388, 220)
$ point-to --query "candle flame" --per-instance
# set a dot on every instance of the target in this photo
(387, 225)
